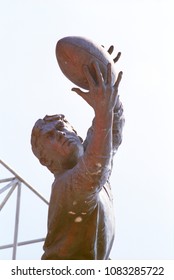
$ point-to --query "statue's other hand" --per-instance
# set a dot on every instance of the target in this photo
(110, 51)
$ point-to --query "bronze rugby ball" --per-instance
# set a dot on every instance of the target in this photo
(73, 52)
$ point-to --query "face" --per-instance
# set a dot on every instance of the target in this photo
(60, 143)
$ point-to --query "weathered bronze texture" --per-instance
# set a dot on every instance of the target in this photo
(73, 52)
(81, 216)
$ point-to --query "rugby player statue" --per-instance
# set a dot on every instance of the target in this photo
(81, 215)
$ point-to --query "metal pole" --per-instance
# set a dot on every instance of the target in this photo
(16, 221)
(23, 181)
(6, 180)
(7, 186)
(13, 184)
(17, 181)
(23, 243)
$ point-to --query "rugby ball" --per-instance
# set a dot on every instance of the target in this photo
(74, 52)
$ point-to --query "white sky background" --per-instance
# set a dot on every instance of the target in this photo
(32, 86)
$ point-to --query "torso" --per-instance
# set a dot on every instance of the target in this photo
(80, 224)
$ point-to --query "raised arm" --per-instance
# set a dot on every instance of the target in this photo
(102, 96)
(117, 128)
(118, 119)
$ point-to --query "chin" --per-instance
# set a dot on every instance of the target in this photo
(73, 156)
(73, 159)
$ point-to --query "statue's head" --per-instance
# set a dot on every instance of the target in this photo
(56, 144)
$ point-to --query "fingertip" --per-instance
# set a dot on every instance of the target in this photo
(109, 66)
(94, 63)
(111, 49)
(117, 57)
(74, 89)
(120, 76)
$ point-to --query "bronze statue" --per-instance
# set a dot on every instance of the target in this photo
(81, 216)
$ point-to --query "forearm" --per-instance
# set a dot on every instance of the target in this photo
(102, 97)
(99, 149)
(117, 128)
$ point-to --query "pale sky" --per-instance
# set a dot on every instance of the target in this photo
(32, 86)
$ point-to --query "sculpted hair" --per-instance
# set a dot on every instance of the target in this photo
(36, 146)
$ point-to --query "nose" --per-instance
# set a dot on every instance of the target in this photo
(60, 135)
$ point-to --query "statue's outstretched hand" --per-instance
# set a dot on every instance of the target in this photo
(102, 94)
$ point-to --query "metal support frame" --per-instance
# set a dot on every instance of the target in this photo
(13, 183)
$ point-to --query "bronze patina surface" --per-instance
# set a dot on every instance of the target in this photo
(81, 216)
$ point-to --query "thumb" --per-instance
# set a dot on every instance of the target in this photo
(78, 91)
(83, 94)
